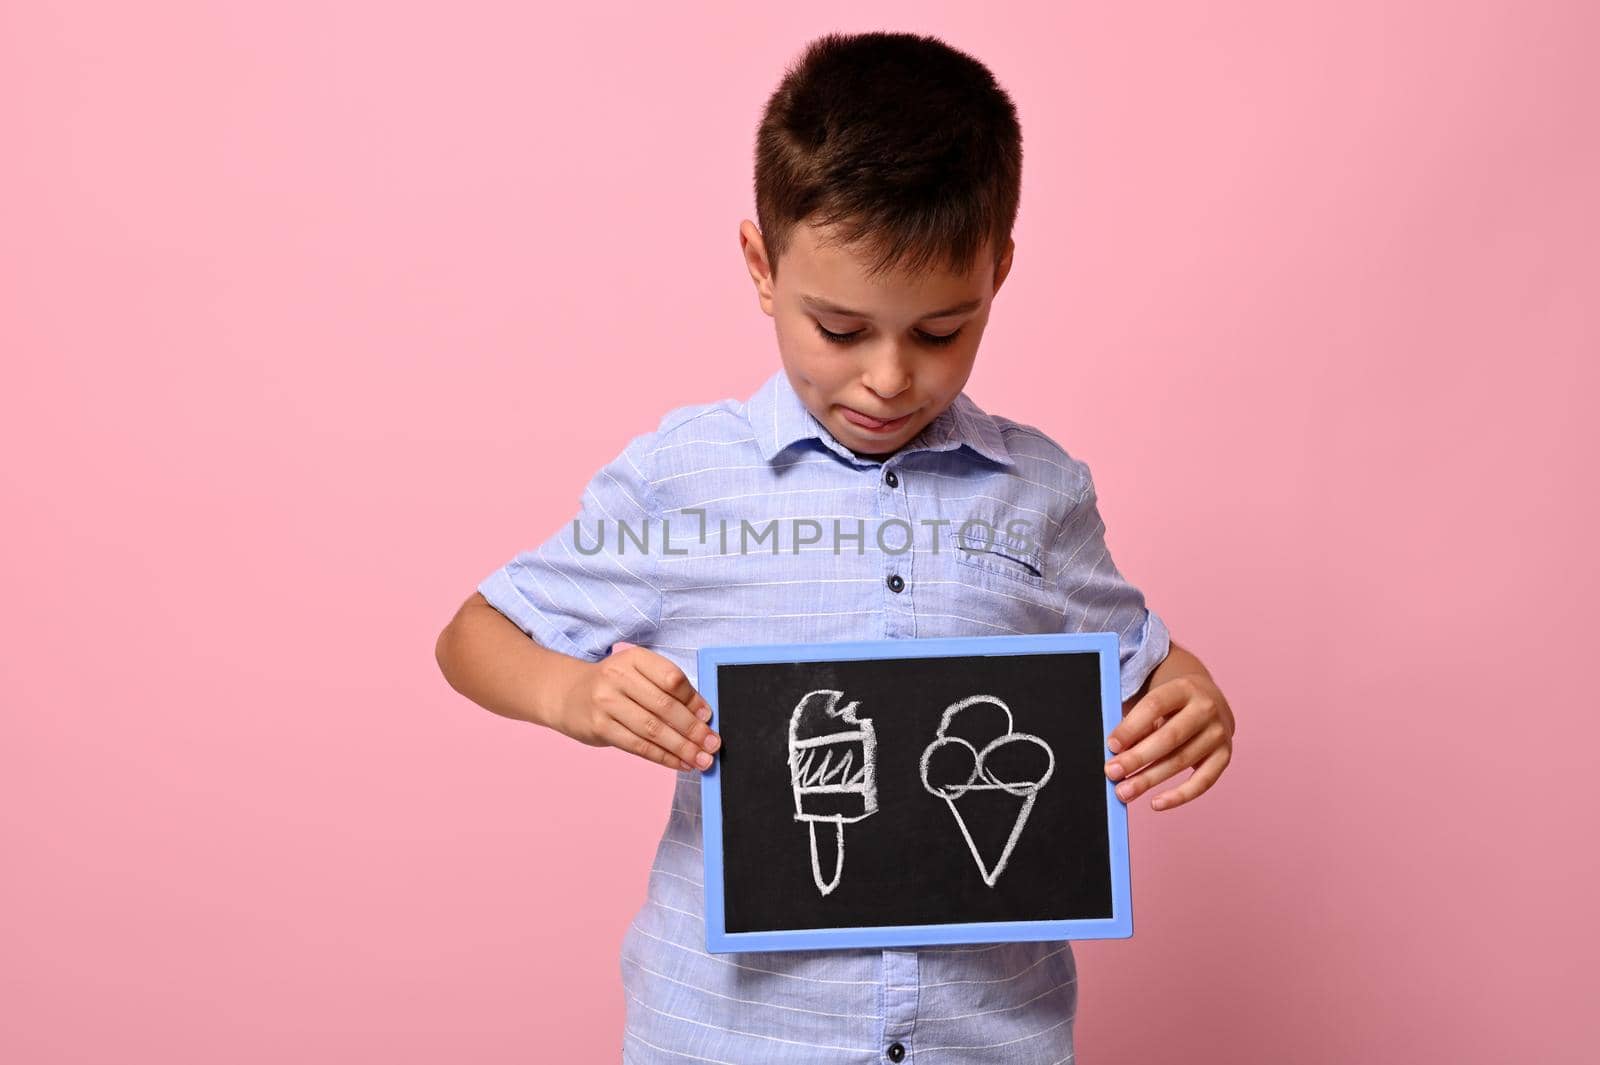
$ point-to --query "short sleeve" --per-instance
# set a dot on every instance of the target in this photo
(1099, 598)
(593, 582)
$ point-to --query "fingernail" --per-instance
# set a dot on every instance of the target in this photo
(703, 760)
(1158, 804)
(1124, 790)
(1114, 770)
(1115, 745)
(711, 742)
(705, 712)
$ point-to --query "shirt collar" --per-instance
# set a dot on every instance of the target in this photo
(780, 419)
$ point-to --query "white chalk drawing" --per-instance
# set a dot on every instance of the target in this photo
(955, 764)
(832, 767)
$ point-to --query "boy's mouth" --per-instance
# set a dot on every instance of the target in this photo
(871, 424)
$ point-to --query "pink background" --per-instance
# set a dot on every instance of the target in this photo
(312, 314)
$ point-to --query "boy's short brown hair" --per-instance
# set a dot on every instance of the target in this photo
(907, 144)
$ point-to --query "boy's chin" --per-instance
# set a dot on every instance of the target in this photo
(873, 445)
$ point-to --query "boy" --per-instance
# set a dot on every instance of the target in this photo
(880, 501)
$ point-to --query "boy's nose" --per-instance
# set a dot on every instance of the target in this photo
(888, 377)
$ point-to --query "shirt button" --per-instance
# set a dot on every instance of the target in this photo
(896, 1052)
(896, 584)
(891, 479)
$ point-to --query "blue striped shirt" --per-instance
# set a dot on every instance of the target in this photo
(747, 522)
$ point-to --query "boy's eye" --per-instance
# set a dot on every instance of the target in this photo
(926, 338)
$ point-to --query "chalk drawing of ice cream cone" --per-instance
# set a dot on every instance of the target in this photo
(988, 773)
(832, 760)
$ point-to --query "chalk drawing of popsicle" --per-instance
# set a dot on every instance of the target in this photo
(832, 768)
(976, 750)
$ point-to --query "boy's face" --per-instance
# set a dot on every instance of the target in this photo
(911, 340)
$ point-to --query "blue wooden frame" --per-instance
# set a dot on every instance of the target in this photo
(1118, 926)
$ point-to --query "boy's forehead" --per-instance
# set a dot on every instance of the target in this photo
(832, 276)
(819, 303)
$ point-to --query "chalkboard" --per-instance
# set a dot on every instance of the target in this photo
(908, 792)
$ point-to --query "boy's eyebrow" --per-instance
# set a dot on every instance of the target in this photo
(821, 304)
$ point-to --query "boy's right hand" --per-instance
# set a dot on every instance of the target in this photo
(641, 702)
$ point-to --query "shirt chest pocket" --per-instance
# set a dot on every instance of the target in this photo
(990, 556)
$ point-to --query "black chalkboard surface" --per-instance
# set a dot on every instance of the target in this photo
(902, 792)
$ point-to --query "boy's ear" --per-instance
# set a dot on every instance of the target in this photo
(1003, 267)
(755, 260)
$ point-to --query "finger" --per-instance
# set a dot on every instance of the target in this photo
(1162, 701)
(670, 679)
(1191, 753)
(662, 720)
(620, 737)
(644, 686)
(1163, 741)
(1199, 782)
(635, 702)
(667, 676)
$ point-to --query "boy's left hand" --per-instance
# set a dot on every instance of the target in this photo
(1182, 723)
